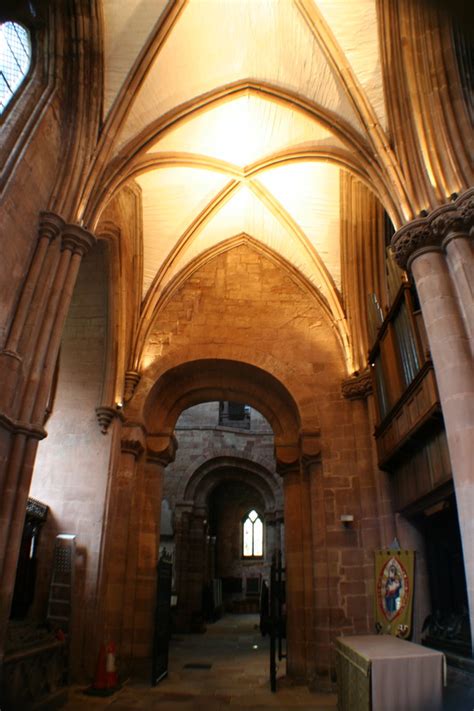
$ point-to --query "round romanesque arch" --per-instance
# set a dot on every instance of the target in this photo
(205, 380)
(213, 471)
(207, 541)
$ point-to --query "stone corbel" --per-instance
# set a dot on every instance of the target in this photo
(357, 387)
(132, 378)
(161, 448)
(105, 415)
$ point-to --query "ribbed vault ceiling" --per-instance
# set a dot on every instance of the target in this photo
(235, 116)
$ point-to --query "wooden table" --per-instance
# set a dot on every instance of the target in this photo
(383, 673)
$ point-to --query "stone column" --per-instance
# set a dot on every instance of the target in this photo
(30, 356)
(196, 567)
(143, 593)
(435, 249)
(182, 526)
(120, 549)
(320, 648)
(299, 564)
(296, 627)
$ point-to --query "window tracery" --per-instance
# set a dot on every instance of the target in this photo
(252, 536)
(15, 60)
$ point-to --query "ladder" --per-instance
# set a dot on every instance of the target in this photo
(62, 582)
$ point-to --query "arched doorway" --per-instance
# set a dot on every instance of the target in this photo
(148, 444)
(209, 512)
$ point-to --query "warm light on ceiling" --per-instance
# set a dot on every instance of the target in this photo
(243, 131)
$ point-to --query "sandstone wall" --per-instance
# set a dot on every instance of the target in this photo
(70, 473)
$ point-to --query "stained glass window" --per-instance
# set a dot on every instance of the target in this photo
(253, 535)
(15, 59)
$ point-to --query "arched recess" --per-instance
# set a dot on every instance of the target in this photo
(162, 291)
(205, 380)
(148, 444)
(197, 550)
(213, 471)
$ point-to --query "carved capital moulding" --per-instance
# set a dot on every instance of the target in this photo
(133, 439)
(431, 232)
(290, 456)
(77, 239)
(73, 237)
(161, 448)
(50, 225)
(34, 431)
(357, 387)
(465, 204)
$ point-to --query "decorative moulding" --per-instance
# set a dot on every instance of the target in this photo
(430, 232)
(105, 415)
(357, 387)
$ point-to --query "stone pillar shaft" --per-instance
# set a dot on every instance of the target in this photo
(148, 526)
(460, 252)
(298, 560)
(446, 301)
(31, 353)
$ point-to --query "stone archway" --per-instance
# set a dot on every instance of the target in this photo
(196, 551)
(148, 444)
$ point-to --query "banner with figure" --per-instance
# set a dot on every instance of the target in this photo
(394, 581)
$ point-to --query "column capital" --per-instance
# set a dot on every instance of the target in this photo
(465, 205)
(77, 239)
(413, 237)
(29, 429)
(131, 446)
(50, 225)
(446, 221)
(133, 439)
(287, 458)
(161, 448)
(286, 468)
(357, 387)
(431, 232)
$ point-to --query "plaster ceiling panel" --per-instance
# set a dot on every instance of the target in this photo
(218, 42)
(309, 192)
(244, 130)
(171, 199)
(127, 25)
(245, 212)
(355, 27)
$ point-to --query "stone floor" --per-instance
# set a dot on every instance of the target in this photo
(237, 679)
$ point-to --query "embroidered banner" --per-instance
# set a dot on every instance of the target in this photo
(394, 580)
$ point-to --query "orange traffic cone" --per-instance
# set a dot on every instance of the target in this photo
(106, 679)
(111, 675)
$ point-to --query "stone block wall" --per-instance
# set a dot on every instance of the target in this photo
(70, 473)
(249, 309)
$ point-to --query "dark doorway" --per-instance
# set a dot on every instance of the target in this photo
(448, 627)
